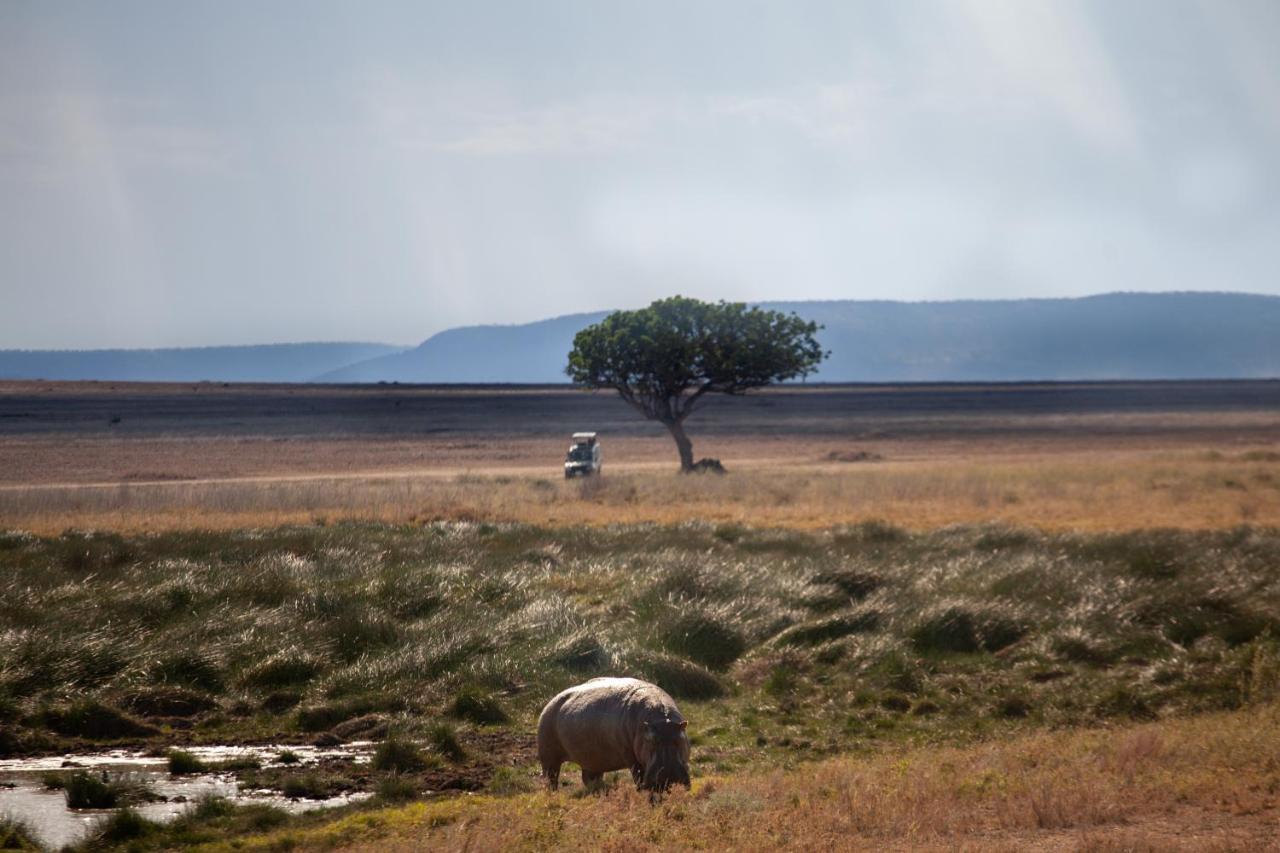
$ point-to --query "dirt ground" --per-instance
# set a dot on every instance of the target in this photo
(128, 433)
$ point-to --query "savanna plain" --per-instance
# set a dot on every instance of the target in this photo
(908, 617)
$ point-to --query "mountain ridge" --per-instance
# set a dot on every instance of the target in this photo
(297, 362)
(1122, 335)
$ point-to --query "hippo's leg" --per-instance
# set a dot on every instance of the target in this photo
(551, 769)
(637, 774)
(591, 780)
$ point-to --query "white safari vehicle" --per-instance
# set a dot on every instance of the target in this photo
(583, 458)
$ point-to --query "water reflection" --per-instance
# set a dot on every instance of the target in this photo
(23, 795)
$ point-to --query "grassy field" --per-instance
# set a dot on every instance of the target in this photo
(1065, 490)
(783, 646)
(951, 618)
(1173, 785)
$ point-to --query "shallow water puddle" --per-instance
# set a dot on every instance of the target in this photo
(24, 797)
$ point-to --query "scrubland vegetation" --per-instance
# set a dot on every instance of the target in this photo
(868, 628)
(781, 645)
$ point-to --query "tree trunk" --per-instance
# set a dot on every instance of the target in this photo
(683, 444)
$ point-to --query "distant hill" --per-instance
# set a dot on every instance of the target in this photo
(267, 363)
(1112, 336)
(532, 352)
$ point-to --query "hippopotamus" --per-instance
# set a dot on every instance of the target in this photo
(615, 724)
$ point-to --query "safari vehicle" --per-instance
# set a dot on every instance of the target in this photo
(583, 458)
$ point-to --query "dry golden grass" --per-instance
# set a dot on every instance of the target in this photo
(1207, 783)
(1081, 490)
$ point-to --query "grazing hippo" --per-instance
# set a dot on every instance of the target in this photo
(615, 724)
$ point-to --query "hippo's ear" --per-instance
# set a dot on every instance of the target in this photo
(684, 724)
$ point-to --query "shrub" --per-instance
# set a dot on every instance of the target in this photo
(1148, 555)
(445, 740)
(1013, 706)
(317, 718)
(582, 654)
(832, 628)
(953, 629)
(1258, 665)
(1000, 631)
(962, 628)
(210, 807)
(279, 701)
(706, 640)
(897, 671)
(999, 539)
(1078, 647)
(895, 702)
(872, 531)
(182, 763)
(354, 635)
(16, 835)
(167, 702)
(1123, 702)
(397, 789)
(477, 707)
(95, 662)
(852, 583)
(308, 786)
(259, 817)
(681, 678)
(288, 756)
(398, 756)
(782, 680)
(1185, 621)
(367, 727)
(93, 720)
(282, 670)
(125, 825)
(189, 669)
(88, 791)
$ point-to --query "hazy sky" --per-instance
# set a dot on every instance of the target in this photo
(190, 173)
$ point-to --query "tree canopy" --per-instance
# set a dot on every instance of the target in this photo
(663, 360)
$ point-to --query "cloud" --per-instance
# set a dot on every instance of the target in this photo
(56, 135)
(1051, 54)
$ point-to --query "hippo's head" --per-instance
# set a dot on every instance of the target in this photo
(664, 755)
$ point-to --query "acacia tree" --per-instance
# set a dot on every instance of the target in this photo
(665, 359)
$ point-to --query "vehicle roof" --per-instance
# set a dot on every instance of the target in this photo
(584, 436)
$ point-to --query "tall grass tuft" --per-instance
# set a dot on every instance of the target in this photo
(396, 755)
(705, 639)
(480, 708)
(89, 791)
(92, 719)
(16, 835)
(445, 740)
(182, 763)
(960, 627)
(125, 825)
(284, 669)
(681, 678)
